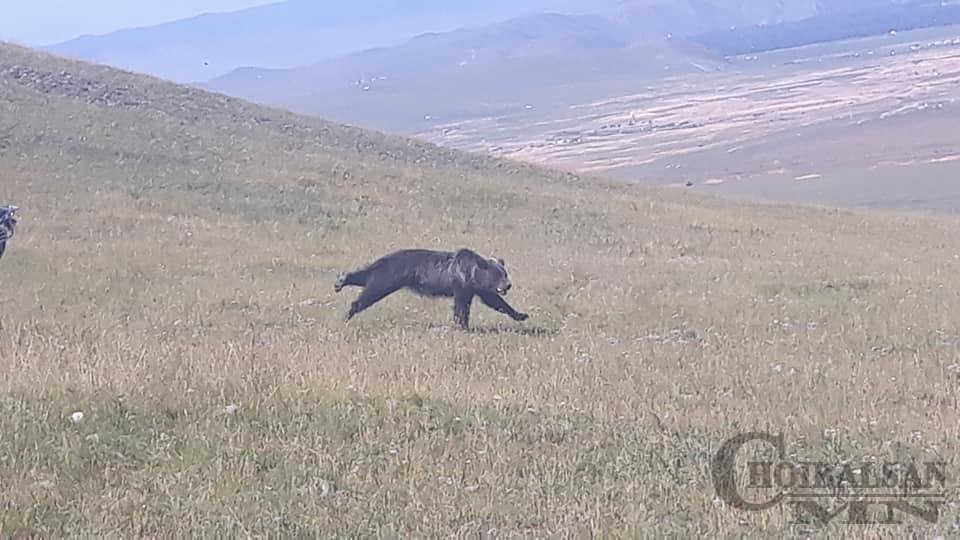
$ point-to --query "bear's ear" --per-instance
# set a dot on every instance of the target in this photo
(503, 264)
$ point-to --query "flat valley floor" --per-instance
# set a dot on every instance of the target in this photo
(866, 123)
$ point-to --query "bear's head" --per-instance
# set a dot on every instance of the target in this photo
(485, 274)
(492, 274)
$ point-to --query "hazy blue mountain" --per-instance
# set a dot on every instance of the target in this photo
(391, 64)
(617, 24)
(538, 60)
(656, 18)
(292, 33)
(430, 54)
(558, 48)
(842, 19)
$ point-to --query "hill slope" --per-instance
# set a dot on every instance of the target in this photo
(172, 280)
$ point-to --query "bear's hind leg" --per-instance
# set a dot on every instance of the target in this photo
(371, 294)
(354, 279)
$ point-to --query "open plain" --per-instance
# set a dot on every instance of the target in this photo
(838, 124)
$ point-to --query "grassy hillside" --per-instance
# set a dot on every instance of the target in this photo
(173, 280)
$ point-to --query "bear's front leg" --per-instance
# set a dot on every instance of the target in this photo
(461, 308)
(495, 302)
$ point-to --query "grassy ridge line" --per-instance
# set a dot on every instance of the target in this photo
(172, 264)
(122, 90)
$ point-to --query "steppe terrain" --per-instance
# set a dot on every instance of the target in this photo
(840, 124)
(172, 280)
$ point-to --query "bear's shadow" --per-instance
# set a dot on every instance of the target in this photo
(527, 331)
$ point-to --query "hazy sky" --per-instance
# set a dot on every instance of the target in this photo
(44, 22)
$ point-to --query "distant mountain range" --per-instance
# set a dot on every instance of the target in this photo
(293, 33)
(541, 61)
(843, 20)
(533, 61)
(393, 65)
(430, 55)
(299, 32)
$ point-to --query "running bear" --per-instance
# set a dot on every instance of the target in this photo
(434, 274)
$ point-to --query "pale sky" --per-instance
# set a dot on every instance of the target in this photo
(45, 22)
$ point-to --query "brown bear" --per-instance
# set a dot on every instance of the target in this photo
(436, 274)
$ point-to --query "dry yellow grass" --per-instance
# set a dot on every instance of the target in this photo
(177, 257)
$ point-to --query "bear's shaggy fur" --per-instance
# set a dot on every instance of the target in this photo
(461, 275)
